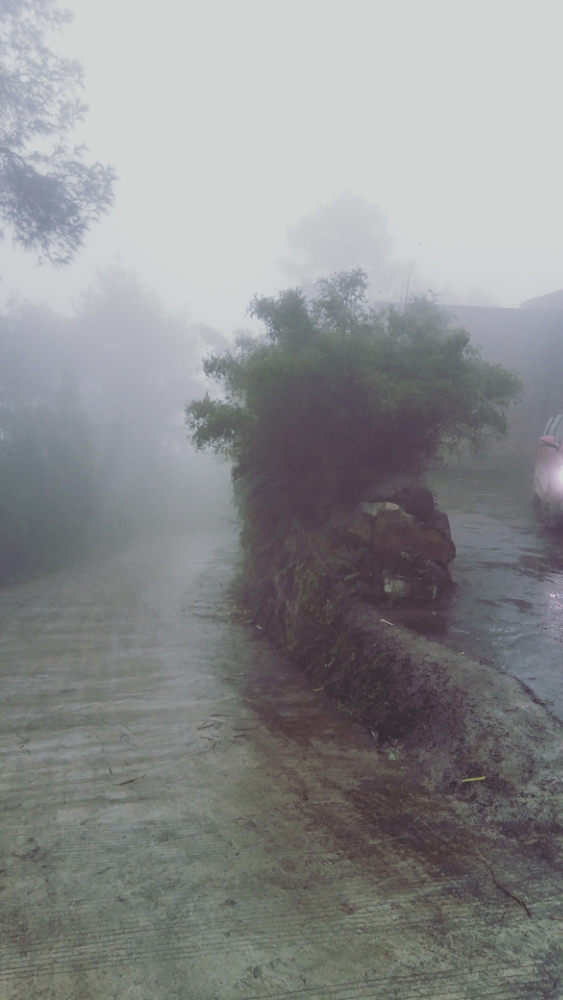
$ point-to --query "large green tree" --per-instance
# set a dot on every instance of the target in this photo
(49, 195)
(336, 395)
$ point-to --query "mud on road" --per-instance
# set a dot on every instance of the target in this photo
(185, 818)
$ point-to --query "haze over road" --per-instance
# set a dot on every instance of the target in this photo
(185, 818)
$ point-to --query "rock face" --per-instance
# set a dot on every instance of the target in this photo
(390, 531)
(409, 554)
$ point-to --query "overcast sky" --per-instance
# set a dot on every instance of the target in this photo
(226, 120)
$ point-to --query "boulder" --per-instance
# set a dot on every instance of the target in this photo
(395, 531)
(389, 531)
(441, 522)
(416, 500)
(406, 491)
(400, 556)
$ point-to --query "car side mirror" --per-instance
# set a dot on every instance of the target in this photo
(549, 441)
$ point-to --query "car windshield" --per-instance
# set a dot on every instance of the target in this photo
(555, 427)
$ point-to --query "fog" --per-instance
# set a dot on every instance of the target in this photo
(260, 145)
(227, 122)
(93, 449)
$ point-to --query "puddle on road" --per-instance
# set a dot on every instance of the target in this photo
(518, 603)
(498, 565)
(505, 605)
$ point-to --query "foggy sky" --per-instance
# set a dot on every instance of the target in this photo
(227, 120)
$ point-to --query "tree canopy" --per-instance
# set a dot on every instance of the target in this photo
(49, 195)
(335, 395)
(346, 232)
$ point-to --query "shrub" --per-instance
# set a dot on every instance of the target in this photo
(336, 395)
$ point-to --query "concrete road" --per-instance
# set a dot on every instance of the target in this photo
(185, 818)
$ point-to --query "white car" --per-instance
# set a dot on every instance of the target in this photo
(548, 472)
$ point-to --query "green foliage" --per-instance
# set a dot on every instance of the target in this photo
(48, 195)
(336, 395)
(331, 399)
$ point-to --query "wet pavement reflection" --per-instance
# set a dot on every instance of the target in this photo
(506, 603)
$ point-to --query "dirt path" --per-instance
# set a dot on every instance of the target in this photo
(184, 818)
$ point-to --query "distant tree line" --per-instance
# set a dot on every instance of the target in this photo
(92, 448)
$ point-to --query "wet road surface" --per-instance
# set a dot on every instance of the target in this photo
(185, 818)
(506, 606)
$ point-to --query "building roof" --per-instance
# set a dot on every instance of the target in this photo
(553, 301)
